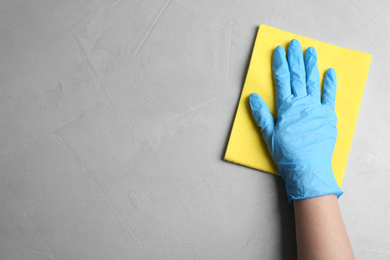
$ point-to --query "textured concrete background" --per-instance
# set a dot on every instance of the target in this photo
(115, 117)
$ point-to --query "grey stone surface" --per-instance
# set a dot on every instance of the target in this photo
(115, 117)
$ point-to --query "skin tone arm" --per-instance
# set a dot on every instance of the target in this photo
(320, 229)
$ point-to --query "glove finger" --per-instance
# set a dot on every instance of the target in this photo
(261, 114)
(312, 74)
(281, 74)
(297, 69)
(329, 92)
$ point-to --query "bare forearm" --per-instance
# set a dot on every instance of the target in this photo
(320, 229)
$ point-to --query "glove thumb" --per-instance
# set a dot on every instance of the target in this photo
(262, 116)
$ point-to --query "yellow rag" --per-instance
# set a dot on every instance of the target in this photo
(246, 145)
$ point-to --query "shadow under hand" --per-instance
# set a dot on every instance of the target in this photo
(287, 223)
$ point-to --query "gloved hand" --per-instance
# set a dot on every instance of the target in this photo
(302, 139)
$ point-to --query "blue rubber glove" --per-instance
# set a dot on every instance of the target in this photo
(302, 139)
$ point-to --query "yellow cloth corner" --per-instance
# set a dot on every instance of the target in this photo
(246, 145)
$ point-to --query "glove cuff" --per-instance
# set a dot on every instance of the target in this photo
(305, 181)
